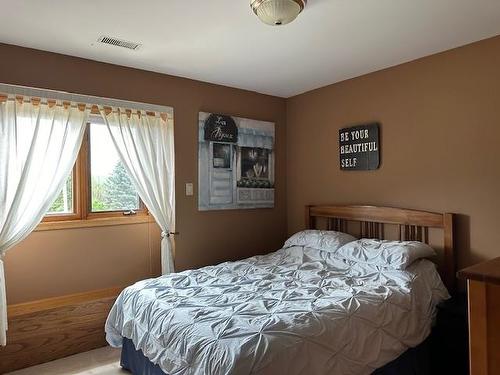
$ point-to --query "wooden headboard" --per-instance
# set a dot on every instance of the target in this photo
(411, 225)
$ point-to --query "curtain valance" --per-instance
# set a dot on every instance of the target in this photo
(94, 103)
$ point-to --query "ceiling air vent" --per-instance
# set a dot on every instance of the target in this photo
(119, 42)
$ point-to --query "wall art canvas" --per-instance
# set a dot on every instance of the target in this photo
(359, 148)
(235, 162)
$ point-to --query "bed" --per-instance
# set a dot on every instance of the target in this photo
(304, 309)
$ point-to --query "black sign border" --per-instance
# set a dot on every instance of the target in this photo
(362, 126)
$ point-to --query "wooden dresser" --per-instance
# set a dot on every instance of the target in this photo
(483, 283)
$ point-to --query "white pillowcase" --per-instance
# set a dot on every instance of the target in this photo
(326, 240)
(389, 254)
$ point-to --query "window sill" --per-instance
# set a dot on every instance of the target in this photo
(89, 223)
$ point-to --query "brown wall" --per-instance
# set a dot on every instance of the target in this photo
(440, 125)
(440, 138)
(53, 263)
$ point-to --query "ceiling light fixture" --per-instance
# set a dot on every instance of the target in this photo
(277, 12)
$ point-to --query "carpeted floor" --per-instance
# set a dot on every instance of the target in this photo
(104, 361)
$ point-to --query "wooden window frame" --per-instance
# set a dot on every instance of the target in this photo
(82, 191)
(76, 214)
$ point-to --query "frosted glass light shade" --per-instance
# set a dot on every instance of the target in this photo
(277, 12)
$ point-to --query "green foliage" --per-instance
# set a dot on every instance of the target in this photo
(115, 192)
(97, 194)
(118, 192)
(66, 192)
(58, 205)
(98, 205)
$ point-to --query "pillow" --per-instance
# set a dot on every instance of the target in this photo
(390, 254)
(326, 240)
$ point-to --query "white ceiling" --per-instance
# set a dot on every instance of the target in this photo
(221, 41)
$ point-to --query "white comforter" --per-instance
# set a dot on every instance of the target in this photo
(295, 311)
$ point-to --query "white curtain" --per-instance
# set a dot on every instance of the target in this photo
(145, 144)
(38, 148)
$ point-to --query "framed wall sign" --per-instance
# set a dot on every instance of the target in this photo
(235, 162)
(359, 147)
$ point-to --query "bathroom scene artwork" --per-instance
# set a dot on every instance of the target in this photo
(235, 162)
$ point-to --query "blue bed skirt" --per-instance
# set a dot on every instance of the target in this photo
(137, 363)
(414, 361)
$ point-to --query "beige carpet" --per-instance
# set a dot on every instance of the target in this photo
(103, 361)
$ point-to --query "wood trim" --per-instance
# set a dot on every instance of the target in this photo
(53, 328)
(50, 218)
(386, 215)
(449, 266)
(115, 214)
(60, 301)
(493, 302)
(413, 225)
(95, 222)
(309, 218)
(488, 271)
(478, 328)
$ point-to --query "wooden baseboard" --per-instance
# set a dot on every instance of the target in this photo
(49, 329)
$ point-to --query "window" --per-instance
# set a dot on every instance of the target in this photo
(64, 201)
(254, 163)
(99, 186)
(222, 155)
(110, 185)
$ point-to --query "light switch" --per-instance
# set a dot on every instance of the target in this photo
(189, 189)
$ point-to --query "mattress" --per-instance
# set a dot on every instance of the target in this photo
(296, 311)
